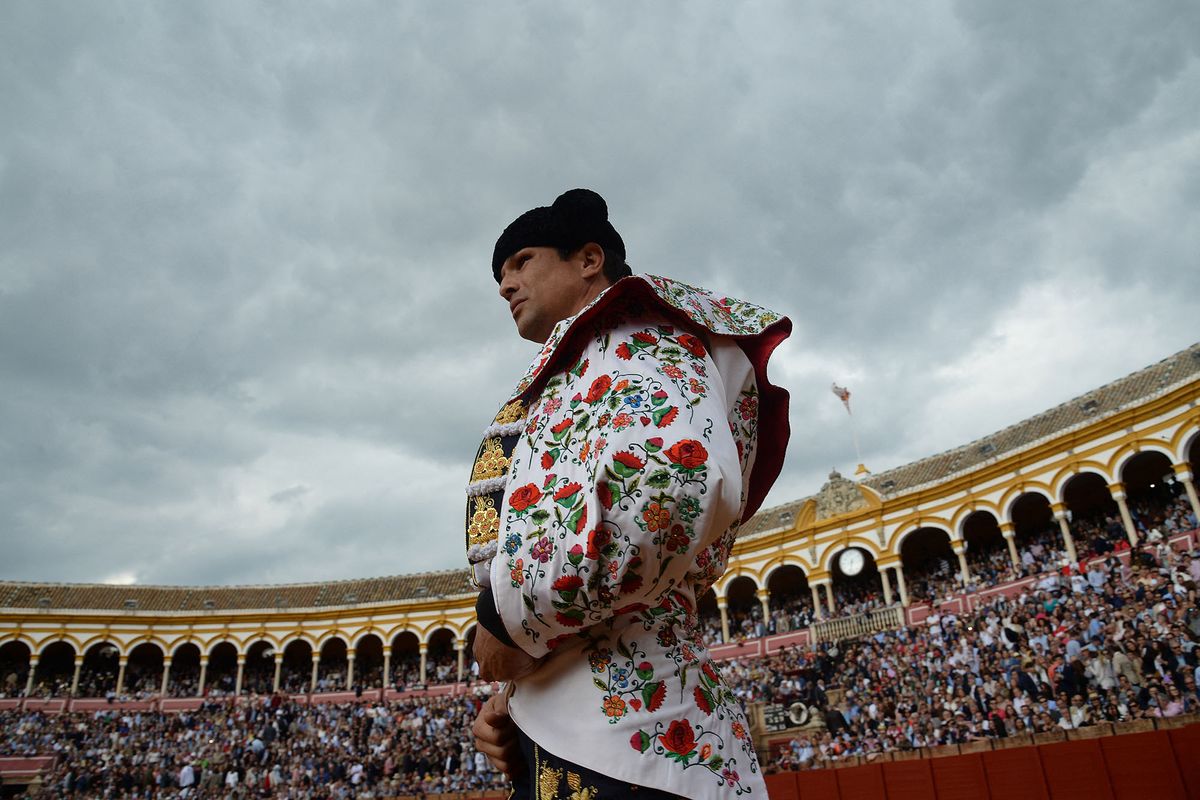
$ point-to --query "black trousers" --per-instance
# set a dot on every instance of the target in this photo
(549, 777)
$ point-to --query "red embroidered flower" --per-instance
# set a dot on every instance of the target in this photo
(524, 497)
(631, 583)
(598, 389)
(623, 352)
(581, 523)
(687, 453)
(561, 426)
(656, 699)
(568, 621)
(691, 344)
(668, 417)
(598, 539)
(605, 495)
(679, 738)
(710, 672)
(628, 459)
(701, 701)
(645, 338)
(547, 460)
(567, 583)
(567, 491)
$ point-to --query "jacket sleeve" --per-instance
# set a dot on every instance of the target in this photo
(627, 472)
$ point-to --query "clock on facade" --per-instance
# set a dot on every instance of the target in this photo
(851, 562)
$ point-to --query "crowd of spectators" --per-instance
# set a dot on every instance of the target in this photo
(271, 747)
(1110, 643)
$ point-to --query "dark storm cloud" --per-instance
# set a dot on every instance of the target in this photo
(247, 330)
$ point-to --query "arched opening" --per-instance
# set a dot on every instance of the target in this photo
(1092, 514)
(931, 568)
(1038, 539)
(406, 660)
(14, 668)
(98, 678)
(441, 659)
(709, 615)
(331, 672)
(1153, 493)
(860, 592)
(743, 609)
(296, 673)
(368, 662)
(258, 673)
(143, 671)
(987, 552)
(55, 669)
(790, 599)
(184, 679)
(221, 678)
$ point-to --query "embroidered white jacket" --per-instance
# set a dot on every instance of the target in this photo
(637, 460)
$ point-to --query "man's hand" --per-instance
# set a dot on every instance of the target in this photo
(499, 662)
(496, 735)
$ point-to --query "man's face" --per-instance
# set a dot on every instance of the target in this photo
(541, 289)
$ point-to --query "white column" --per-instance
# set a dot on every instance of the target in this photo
(901, 585)
(764, 596)
(75, 680)
(960, 550)
(166, 676)
(722, 604)
(818, 610)
(121, 662)
(1183, 472)
(241, 669)
(203, 675)
(350, 656)
(1060, 514)
(33, 662)
(1010, 538)
(424, 649)
(387, 667)
(829, 597)
(278, 671)
(887, 585)
(460, 648)
(312, 686)
(1118, 494)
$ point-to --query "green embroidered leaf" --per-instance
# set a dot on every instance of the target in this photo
(582, 422)
(715, 763)
(569, 595)
(600, 684)
(623, 650)
(540, 516)
(660, 479)
(528, 601)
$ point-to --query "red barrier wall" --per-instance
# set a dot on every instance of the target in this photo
(1154, 765)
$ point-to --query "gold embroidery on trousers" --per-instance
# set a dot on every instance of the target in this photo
(578, 791)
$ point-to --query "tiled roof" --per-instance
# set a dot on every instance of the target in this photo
(1096, 404)
(226, 598)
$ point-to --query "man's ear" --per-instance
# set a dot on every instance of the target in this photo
(591, 257)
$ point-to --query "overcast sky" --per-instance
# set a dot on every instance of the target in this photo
(248, 331)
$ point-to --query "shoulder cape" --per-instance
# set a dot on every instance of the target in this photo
(757, 330)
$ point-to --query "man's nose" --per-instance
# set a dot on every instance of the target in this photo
(507, 286)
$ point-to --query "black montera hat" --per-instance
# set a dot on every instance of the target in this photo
(576, 218)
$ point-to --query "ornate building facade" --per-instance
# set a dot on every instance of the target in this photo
(1096, 457)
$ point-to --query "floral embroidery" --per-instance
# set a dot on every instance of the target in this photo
(683, 743)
